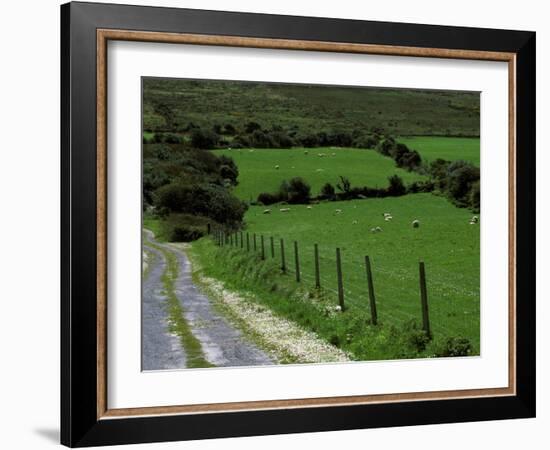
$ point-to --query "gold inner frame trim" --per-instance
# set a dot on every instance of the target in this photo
(103, 36)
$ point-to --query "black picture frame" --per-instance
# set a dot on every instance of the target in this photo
(80, 425)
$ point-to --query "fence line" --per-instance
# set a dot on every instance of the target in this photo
(348, 290)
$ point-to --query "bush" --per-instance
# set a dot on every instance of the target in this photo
(455, 346)
(475, 197)
(385, 146)
(185, 227)
(172, 138)
(298, 191)
(261, 139)
(396, 187)
(367, 142)
(461, 177)
(327, 191)
(266, 198)
(208, 200)
(204, 139)
(250, 127)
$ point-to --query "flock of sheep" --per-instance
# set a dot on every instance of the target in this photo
(388, 217)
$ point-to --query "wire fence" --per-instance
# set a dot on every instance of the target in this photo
(346, 279)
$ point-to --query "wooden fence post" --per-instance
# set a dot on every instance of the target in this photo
(262, 244)
(317, 273)
(372, 298)
(339, 275)
(247, 242)
(272, 247)
(424, 300)
(297, 261)
(254, 241)
(283, 264)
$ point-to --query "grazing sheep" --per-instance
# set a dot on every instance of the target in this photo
(228, 148)
(376, 230)
(320, 155)
(284, 209)
(415, 223)
(251, 150)
(474, 219)
(277, 167)
(306, 152)
(338, 211)
(361, 196)
(354, 222)
(388, 218)
(333, 154)
(309, 207)
(319, 170)
(267, 211)
(386, 214)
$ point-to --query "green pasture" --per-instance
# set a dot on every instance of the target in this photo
(258, 170)
(448, 148)
(445, 241)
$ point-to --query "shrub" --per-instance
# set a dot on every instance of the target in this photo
(229, 129)
(204, 139)
(385, 146)
(266, 198)
(172, 138)
(261, 139)
(185, 227)
(455, 346)
(368, 142)
(250, 127)
(461, 176)
(298, 191)
(475, 198)
(396, 187)
(208, 200)
(328, 191)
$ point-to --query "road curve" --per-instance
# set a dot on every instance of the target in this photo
(223, 345)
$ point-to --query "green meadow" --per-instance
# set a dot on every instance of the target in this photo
(263, 170)
(448, 148)
(445, 241)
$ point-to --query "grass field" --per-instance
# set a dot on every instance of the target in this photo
(448, 148)
(258, 172)
(445, 241)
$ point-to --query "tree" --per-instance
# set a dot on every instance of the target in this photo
(250, 127)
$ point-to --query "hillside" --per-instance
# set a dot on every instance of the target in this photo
(173, 104)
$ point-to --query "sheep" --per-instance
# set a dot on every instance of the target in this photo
(309, 207)
(415, 223)
(376, 230)
(354, 222)
(251, 150)
(267, 211)
(388, 218)
(306, 152)
(319, 170)
(474, 219)
(284, 209)
(386, 214)
(277, 167)
(333, 154)
(338, 211)
(320, 155)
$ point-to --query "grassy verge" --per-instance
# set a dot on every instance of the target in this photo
(178, 325)
(350, 330)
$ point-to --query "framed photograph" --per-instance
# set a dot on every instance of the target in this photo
(276, 224)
